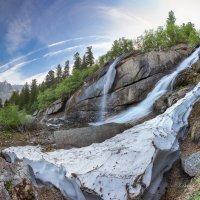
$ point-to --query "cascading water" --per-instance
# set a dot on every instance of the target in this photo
(145, 107)
(109, 78)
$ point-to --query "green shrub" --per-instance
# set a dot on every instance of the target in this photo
(66, 87)
(168, 36)
(8, 185)
(11, 117)
(196, 197)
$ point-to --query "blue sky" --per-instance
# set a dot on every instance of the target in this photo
(37, 35)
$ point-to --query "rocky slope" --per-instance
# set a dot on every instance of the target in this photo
(136, 75)
(6, 90)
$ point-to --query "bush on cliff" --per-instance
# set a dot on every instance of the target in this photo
(66, 87)
(168, 36)
(11, 117)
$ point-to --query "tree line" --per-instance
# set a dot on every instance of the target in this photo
(27, 98)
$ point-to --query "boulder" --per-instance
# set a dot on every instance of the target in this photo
(17, 182)
(191, 164)
(4, 195)
(195, 131)
(187, 77)
(56, 106)
(169, 99)
(81, 137)
(194, 120)
(196, 67)
(195, 114)
(134, 76)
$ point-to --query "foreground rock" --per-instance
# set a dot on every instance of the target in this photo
(128, 166)
(188, 76)
(170, 98)
(17, 183)
(136, 75)
(191, 164)
(56, 106)
(81, 137)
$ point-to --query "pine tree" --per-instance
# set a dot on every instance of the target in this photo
(15, 98)
(33, 91)
(77, 61)
(24, 97)
(1, 103)
(84, 63)
(26, 94)
(42, 86)
(66, 69)
(171, 18)
(50, 78)
(171, 29)
(89, 57)
(59, 73)
(6, 103)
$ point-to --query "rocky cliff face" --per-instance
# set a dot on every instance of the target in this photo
(136, 74)
(6, 90)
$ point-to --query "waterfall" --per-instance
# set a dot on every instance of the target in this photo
(164, 85)
(109, 79)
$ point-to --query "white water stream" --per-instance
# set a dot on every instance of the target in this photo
(107, 85)
(145, 107)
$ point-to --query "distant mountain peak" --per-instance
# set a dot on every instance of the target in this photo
(6, 90)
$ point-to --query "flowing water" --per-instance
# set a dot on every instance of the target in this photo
(145, 107)
(108, 84)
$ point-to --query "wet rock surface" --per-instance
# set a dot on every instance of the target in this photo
(57, 106)
(191, 164)
(135, 76)
(170, 98)
(81, 137)
(17, 182)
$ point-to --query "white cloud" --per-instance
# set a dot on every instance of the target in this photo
(14, 61)
(123, 22)
(133, 18)
(12, 75)
(18, 34)
(39, 77)
(53, 53)
(104, 45)
(77, 39)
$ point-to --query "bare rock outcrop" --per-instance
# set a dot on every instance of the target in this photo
(81, 137)
(136, 74)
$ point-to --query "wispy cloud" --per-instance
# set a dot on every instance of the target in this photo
(10, 63)
(39, 77)
(19, 29)
(101, 45)
(11, 72)
(18, 66)
(18, 34)
(124, 22)
(53, 53)
(13, 75)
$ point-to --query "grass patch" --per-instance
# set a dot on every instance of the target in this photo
(5, 135)
(8, 185)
